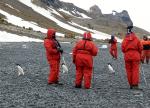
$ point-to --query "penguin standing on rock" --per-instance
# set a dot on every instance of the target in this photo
(19, 70)
(110, 68)
(64, 67)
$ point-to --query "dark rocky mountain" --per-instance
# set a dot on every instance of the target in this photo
(115, 22)
(74, 10)
(94, 11)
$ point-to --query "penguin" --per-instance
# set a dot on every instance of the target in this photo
(110, 68)
(19, 69)
(24, 46)
(64, 67)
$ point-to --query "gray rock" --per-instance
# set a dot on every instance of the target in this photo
(31, 90)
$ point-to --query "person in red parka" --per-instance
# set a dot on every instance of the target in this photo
(113, 47)
(146, 49)
(83, 53)
(132, 49)
(53, 53)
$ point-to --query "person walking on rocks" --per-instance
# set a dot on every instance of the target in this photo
(146, 49)
(132, 49)
(83, 53)
(53, 53)
(113, 47)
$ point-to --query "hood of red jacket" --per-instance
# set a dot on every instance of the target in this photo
(51, 33)
(131, 36)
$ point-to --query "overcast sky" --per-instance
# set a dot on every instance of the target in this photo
(139, 10)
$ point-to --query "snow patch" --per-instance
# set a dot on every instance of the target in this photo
(96, 34)
(47, 14)
(67, 12)
(54, 11)
(12, 7)
(22, 23)
(85, 16)
(8, 37)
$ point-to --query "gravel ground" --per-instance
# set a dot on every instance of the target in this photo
(31, 90)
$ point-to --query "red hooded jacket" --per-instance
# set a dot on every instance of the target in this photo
(83, 52)
(131, 47)
(114, 44)
(50, 46)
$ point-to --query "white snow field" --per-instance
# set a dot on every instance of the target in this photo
(22, 23)
(8, 37)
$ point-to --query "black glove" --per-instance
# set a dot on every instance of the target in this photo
(142, 61)
(60, 50)
(74, 61)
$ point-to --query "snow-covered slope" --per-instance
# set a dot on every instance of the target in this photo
(22, 23)
(49, 13)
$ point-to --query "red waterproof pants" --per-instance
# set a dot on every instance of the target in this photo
(54, 71)
(86, 73)
(132, 69)
(113, 52)
(145, 55)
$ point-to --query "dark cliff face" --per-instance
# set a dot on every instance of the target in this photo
(94, 12)
(122, 17)
(54, 3)
(70, 7)
(125, 17)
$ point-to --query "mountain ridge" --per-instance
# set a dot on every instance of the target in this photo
(106, 23)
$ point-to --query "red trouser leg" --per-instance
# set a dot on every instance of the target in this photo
(87, 77)
(135, 72)
(147, 54)
(111, 52)
(132, 69)
(128, 66)
(79, 76)
(115, 53)
(54, 71)
(143, 56)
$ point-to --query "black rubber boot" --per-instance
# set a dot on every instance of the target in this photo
(77, 86)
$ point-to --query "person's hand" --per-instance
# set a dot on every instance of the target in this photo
(142, 61)
(74, 61)
(60, 50)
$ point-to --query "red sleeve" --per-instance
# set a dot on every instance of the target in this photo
(123, 46)
(48, 46)
(140, 47)
(94, 50)
(74, 52)
(115, 40)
